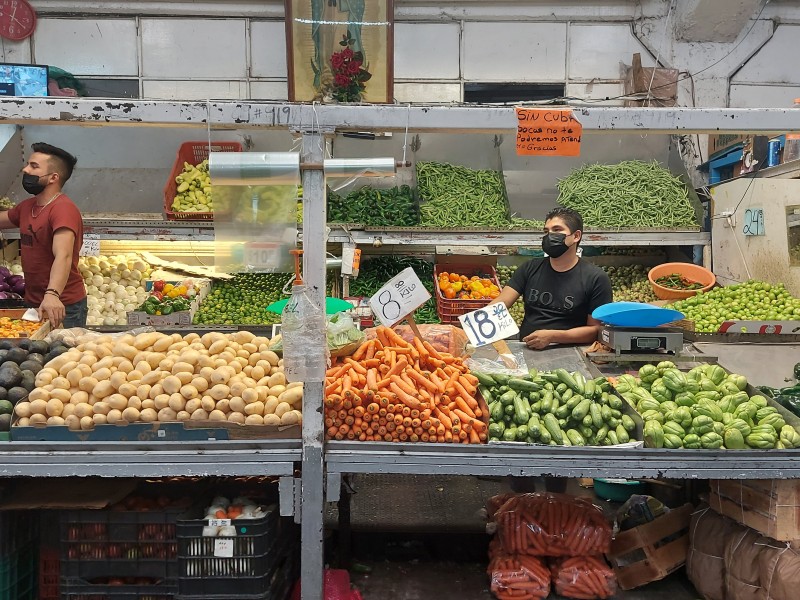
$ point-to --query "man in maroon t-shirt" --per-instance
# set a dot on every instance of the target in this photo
(51, 236)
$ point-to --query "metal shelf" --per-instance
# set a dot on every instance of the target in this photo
(501, 459)
(460, 237)
(151, 459)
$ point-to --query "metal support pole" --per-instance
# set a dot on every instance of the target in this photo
(313, 493)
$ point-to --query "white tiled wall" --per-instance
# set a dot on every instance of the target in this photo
(194, 48)
(763, 96)
(269, 90)
(515, 51)
(84, 47)
(596, 51)
(194, 90)
(776, 62)
(426, 50)
(268, 49)
(427, 92)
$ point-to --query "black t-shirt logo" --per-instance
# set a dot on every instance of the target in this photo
(547, 298)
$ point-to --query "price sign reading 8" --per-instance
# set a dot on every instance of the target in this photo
(487, 325)
(399, 297)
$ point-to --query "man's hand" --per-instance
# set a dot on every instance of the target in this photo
(52, 308)
(539, 340)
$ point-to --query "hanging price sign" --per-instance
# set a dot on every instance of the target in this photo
(489, 324)
(399, 297)
(90, 246)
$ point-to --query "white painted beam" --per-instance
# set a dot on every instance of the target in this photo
(713, 20)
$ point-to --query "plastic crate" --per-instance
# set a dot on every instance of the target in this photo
(49, 573)
(79, 589)
(193, 153)
(18, 530)
(106, 543)
(450, 309)
(18, 575)
(258, 551)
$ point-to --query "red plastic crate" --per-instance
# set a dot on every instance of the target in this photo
(193, 153)
(49, 573)
(450, 309)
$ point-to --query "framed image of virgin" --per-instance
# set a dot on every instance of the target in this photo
(340, 50)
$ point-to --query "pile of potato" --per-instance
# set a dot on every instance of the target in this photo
(158, 377)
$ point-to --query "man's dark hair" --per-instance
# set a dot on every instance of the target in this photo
(572, 218)
(61, 161)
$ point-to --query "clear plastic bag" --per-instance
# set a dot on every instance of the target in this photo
(77, 335)
(546, 524)
(444, 338)
(344, 337)
(519, 577)
(583, 578)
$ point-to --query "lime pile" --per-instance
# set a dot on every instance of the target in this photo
(751, 301)
(243, 300)
(630, 284)
(517, 310)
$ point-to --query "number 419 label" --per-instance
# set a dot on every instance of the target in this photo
(489, 324)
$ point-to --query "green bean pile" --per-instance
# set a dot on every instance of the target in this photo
(517, 223)
(631, 194)
(455, 196)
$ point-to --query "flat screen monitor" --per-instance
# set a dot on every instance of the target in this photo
(23, 80)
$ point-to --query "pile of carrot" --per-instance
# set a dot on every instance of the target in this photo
(519, 577)
(583, 578)
(395, 391)
(552, 525)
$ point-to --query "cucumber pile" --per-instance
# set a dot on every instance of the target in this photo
(705, 408)
(556, 408)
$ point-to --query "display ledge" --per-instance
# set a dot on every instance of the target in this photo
(500, 460)
(499, 237)
(151, 459)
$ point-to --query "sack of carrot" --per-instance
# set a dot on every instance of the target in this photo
(444, 338)
(546, 524)
(519, 577)
(393, 390)
(583, 578)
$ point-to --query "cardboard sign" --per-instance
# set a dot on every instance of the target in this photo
(399, 297)
(548, 132)
(90, 247)
(488, 324)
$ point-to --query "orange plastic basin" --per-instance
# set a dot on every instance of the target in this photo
(692, 272)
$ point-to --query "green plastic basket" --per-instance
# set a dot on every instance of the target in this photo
(618, 490)
(18, 576)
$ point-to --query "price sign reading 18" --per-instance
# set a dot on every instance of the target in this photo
(399, 297)
(487, 325)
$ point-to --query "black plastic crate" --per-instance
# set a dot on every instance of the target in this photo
(79, 589)
(108, 543)
(231, 567)
(18, 530)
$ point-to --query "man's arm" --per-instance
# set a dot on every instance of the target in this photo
(508, 296)
(5, 222)
(585, 334)
(63, 241)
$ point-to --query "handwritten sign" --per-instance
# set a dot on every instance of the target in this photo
(219, 522)
(263, 256)
(223, 548)
(548, 132)
(399, 297)
(489, 324)
(90, 247)
(753, 221)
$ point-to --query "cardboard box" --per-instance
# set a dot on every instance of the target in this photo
(651, 551)
(770, 506)
(663, 84)
(184, 317)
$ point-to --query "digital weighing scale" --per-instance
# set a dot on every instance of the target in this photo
(641, 340)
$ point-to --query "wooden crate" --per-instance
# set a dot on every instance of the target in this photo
(651, 551)
(770, 506)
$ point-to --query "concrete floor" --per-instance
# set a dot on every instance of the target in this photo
(422, 538)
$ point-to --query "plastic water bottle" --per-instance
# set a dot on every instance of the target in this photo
(302, 332)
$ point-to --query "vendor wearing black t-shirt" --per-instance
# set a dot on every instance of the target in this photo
(560, 291)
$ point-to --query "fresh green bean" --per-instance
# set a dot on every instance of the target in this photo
(630, 194)
(369, 206)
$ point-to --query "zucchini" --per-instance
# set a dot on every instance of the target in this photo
(596, 414)
(569, 380)
(521, 412)
(485, 379)
(580, 411)
(510, 434)
(486, 393)
(508, 397)
(534, 427)
(589, 389)
(522, 433)
(551, 425)
(575, 437)
(523, 386)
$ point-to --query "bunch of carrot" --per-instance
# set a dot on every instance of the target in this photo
(395, 391)
(583, 578)
(552, 525)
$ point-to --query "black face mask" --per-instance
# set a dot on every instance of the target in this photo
(553, 244)
(30, 183)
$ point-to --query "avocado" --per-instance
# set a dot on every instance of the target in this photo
(28, 380)
(39, 358)
(6, 345)
(16, 355)
(24, 343)
(15, 394)
(10, 375)
(39, 347)
(6, 408)
(3, 393)
(57, 351)
(5, 422)
(31, 366)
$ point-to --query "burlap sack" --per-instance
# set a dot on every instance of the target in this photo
(779, 571)
(709, 532)
(742, 574)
